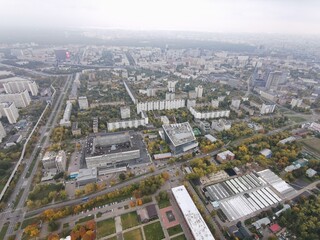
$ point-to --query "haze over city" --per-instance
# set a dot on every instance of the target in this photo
(226, 16)
(159, 120)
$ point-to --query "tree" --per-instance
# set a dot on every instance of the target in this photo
(122, 176)
(165, 175)
(53, 236)
(32, 230)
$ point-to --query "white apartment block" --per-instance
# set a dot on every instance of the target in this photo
(267, 108)
(2, 132)
(235, 103)
(65, 121)
(296, 102)
(207, 115)
(161, 105)
(20, 100)
(125, 112)
(83, 103)
(61, 161)
(170, 96)
(199, 91)
(127, 124)
(17, 84)
(172, 86)
(9, 110)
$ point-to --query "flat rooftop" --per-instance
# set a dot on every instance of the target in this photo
(109, 143)
(197, 225)
(179, 133)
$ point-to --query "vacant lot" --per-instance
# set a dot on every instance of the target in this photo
(105, 228)
(129, 220)
(153, 231)
(133, 235)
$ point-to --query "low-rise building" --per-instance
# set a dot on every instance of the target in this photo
(225, 156)
(76, 131)
(311, 173)
(86, 176)
(49, 160)
(266, 152)
(65, 121)
(95, 125)
(221, 125)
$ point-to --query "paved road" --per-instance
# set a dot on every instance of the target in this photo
(25, 183)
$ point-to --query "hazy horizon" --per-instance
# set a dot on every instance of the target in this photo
(216, 16)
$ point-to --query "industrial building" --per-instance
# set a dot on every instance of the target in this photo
(180, 137)
(253, 192)
(196, 224)
(112, 149)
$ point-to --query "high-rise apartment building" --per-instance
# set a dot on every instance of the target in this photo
(9, 110)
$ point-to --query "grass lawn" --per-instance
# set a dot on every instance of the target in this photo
(180, 237)
(175, 230)
(164, 203)
(85, 219)
(29, 221)
(153, 231)
(129, 220)
(135, 234)
(297, 119)
(4, 230)
(105, 228)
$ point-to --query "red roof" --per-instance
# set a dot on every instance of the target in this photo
(275, 228)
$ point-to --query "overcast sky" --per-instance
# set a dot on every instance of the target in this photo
(253, 16)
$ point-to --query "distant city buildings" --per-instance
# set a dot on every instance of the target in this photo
(199, 91)
(95, 125)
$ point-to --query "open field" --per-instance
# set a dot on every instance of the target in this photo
(105, 228)
(153, 231)
(312, 144)
(296, 119)
(135, 234)
(129, 220)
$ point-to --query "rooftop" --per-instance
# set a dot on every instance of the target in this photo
(179, 133)
(197, 225)
(108, 143)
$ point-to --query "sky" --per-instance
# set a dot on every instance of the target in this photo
(223, 16)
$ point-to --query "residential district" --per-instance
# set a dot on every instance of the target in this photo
(183, 140)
